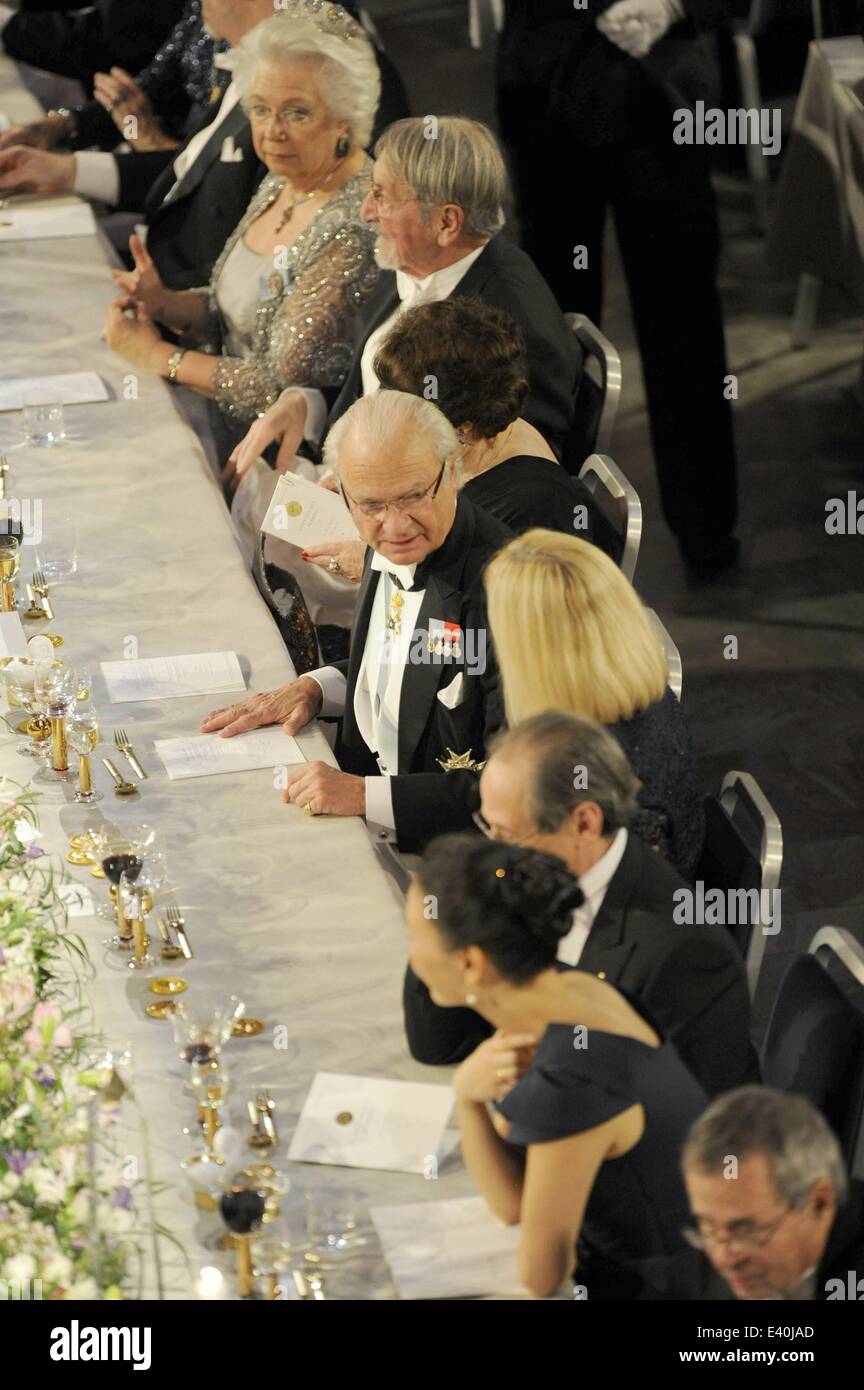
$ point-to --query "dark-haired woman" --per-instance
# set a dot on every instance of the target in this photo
(473, 356)
(470, 359)
(582, 1150)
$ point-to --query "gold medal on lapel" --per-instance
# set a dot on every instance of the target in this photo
(459, 762)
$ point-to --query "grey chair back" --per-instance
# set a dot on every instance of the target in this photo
(597, 396)
(673, 656)
(617, 511)
(815, 1039)
(743, 851)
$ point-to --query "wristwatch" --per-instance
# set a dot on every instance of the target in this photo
(174, 363)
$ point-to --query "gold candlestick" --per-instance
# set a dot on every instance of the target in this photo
(244, 1265)
(124, 925)
(139, 936)
(85, 785)
(59, 751)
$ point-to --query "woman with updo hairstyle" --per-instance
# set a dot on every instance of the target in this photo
(573, 1111)
(470, 359)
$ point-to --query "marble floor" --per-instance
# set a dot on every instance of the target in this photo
(790, 709)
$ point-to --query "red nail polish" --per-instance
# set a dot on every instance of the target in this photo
(304, 555)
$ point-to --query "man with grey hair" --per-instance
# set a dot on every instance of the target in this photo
(563, 785)
(419, 696)
(439, 184)
(773, 1209)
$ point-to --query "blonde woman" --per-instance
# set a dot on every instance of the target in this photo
(571, 634)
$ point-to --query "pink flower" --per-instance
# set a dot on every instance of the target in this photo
(48, 1028)
(16, 997)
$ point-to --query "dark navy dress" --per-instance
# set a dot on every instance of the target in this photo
(670, 816)
(637, 1205)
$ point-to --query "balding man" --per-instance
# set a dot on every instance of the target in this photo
(419, 695)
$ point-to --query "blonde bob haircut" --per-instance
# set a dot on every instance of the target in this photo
(570, 632)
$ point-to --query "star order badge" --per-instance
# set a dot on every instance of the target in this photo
(460, 762)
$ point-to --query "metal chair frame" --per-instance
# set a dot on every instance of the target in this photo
(597, 347)
(740, 788)
(621, 490)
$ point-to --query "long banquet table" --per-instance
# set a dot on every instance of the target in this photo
(294, 914)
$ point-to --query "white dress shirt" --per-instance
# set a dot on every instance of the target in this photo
(97, 175)
(375, 723)
(432, 288)
(594, 883)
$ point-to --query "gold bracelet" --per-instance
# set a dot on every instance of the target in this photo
(174, 363)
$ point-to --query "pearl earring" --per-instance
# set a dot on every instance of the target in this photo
(470, 998)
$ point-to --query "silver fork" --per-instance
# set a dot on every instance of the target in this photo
(125, 747)
(41, 587)
(176, 921)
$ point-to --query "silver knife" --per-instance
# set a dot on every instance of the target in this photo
(133, 762)
(183, 940)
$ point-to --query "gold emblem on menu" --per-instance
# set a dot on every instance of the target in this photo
(294, 508)
(344, 1117)
(459, 762)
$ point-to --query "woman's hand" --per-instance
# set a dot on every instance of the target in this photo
(137, 339)
(144, 283)
(283, 424)
(494, 1067)
(130, 110)
(348, 557)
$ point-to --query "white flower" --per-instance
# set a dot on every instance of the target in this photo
(49, 1188)
(20, 1267)
(58, 1270)
(9, 1183)
(115, 1221)
(84, 1289)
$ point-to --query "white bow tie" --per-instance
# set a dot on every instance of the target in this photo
(412, 292)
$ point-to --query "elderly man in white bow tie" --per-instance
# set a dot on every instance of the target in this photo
(419, 696)
(439, 185)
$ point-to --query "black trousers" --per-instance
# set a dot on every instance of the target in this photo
(661, 199)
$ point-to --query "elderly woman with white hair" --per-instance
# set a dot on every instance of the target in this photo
(280, 306)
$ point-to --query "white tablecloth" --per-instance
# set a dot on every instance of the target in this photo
(294, 914)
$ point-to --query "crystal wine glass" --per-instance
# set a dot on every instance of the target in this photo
(82, 731)
(20, 680)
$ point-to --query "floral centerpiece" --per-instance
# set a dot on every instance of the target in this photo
(68, 1222)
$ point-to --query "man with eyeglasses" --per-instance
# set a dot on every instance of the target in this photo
(419, 696)
(563, 785)
(774, 1214)
(439, 186)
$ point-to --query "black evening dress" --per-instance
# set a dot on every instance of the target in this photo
(670, 814)
(528, 491)
(637, 1205)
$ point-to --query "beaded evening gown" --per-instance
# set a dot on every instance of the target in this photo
(279, 323)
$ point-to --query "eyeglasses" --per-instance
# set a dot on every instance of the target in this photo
(488, 830)
(289, 116)
(385, 204)
(748, 1235)
(409, 502)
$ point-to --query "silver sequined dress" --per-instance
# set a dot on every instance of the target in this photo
(304, 320)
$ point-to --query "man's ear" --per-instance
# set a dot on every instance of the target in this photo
(452, 221)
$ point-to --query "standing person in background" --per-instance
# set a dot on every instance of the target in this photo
(586, 98)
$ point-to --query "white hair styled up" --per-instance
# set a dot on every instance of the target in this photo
(348, 77)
